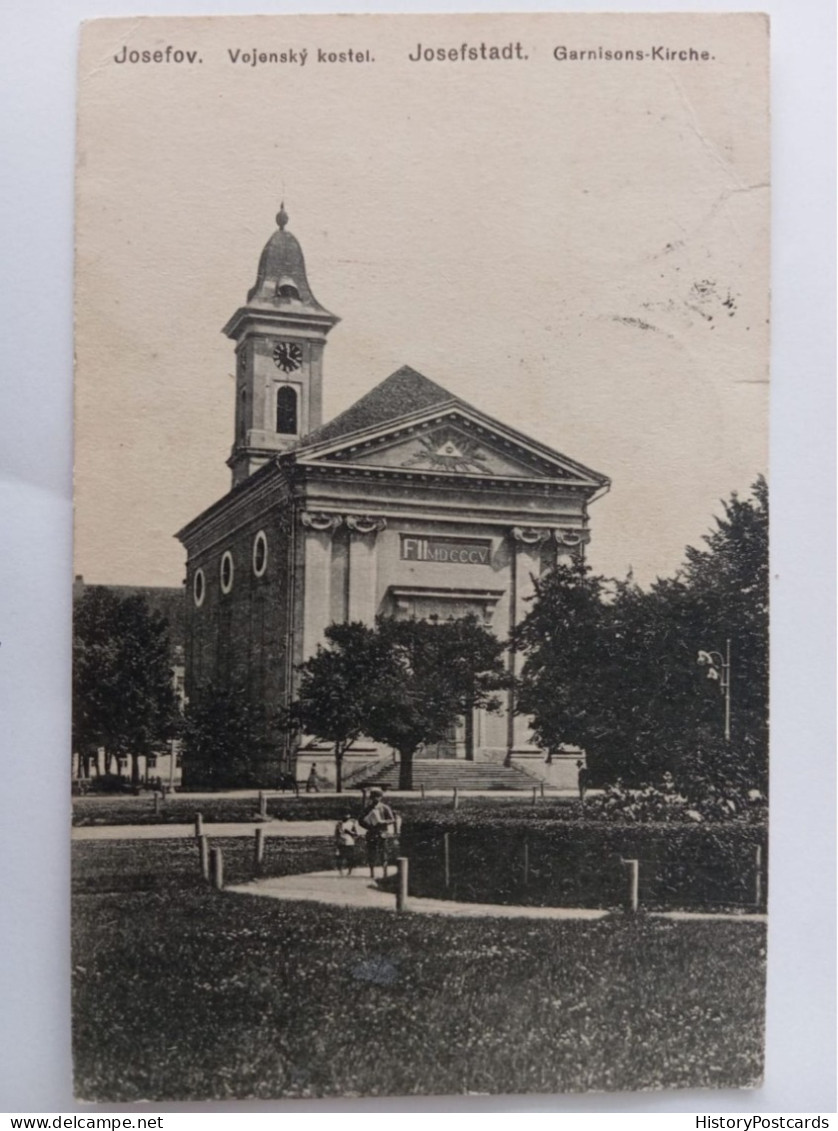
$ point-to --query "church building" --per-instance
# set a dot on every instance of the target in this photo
(411, 503)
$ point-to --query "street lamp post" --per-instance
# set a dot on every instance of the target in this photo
(718, 668)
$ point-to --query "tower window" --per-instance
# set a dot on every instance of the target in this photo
(198, 588)
(286, 410)
(242, 414)
(226, 571)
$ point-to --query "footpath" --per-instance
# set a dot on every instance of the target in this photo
(358, 890)
(211, 828)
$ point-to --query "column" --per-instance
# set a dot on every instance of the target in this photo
(363, 533)
(319, 528)
(525, 565)
(571, 541)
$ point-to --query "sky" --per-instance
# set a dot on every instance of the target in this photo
(579, 250)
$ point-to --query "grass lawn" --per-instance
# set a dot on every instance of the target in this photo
(183, 993)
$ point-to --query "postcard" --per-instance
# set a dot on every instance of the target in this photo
(420, 738)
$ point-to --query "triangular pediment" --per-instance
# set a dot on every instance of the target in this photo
(449, 440)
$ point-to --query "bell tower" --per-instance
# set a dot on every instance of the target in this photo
(280, 334)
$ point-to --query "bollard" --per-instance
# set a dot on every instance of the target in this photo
(422, 790)
(758, 876)
(401, 890)
(526, 863)
(446, 859)
(263, 804)
(456, 798)
(156, 804)
(542, 790)
(259, 850)
(217, 868)
(633, 885)
(534, 794)
(199, 825)
(203, 850)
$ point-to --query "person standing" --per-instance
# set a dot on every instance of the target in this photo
(311, 781)
(379, 823)
(582, 778)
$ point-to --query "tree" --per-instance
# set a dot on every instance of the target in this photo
(403, 683)
(332, 699)
(433, 674)
(613, 667)
(123, 693)
(225, 742)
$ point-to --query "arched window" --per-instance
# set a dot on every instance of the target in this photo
(260, 553)
(286, 410)
(226, 572)
(199, 587)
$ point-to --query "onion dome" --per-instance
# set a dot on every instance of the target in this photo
(281, 278)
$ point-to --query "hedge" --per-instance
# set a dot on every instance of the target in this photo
(540, 862)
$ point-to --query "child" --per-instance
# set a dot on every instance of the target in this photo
(346, 833)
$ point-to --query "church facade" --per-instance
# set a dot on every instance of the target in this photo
(411, 503)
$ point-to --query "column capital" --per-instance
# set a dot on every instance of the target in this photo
(529, 535)
(364, 523)
(320, 521)
(569, 537)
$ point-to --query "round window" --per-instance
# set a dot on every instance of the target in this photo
(260, 553)
(199, 588)
(226, 571)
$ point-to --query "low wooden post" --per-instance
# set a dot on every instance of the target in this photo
(446, 858)
(542, 790)
(534, 794)
(217, 868)
(156, 804)
(263, 805)
(422, 789)
(633, 900)
(259, 850)
(199, 825)
(758, 876)
(401, 890)
(456, 798)
(526, 863)
(203, 850)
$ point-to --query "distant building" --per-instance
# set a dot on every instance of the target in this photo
(411, 503)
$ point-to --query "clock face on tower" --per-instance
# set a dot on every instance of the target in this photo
(288, 356)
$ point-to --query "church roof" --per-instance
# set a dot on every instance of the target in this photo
(400, 394)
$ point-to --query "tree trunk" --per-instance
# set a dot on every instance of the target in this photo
(468, 719)
(135, 770)
(338, 768)
(405, 769)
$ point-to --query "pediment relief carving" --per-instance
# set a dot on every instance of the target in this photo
(447, 448)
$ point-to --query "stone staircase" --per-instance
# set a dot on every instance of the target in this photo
(444, 774)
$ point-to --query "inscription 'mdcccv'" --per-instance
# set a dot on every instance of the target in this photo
(461, 551)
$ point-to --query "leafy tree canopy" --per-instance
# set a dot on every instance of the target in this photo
(123, 696)
(401, 682)
(612, 667)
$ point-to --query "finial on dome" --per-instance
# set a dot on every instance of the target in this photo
(282, 217)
